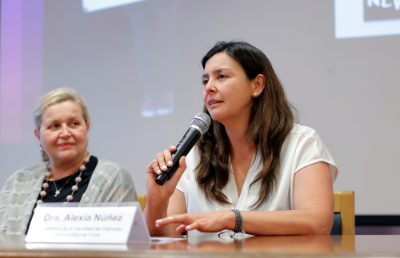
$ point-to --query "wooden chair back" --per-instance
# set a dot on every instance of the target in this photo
(344, 204)
(142, 200)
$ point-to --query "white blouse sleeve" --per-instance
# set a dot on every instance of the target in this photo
(310, 149)
(191, 163)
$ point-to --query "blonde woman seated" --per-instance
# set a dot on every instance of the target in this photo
(255, 170)
(68, 173)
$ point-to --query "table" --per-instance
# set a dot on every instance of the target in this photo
(209, 246)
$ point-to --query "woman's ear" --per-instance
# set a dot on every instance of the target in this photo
(37, 134)
(258, 84)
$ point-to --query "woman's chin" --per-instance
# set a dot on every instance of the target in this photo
(67, 156)
(215, 116)
(219, 118)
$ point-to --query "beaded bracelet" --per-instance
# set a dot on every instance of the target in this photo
(239, 221)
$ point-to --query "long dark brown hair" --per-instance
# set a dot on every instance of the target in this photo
(271, 120)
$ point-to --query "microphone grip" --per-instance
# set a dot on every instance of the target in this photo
(167, 174)
(182, 149)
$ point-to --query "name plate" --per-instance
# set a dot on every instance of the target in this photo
(115, 223)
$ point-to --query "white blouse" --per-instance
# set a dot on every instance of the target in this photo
(301, 148)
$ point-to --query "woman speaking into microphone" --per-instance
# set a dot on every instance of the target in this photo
(255, 170)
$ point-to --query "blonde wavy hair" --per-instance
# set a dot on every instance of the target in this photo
(57, 96)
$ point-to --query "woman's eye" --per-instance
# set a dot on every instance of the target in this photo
(54, 126)
(205, 81)
(75, 123)
(222, 76)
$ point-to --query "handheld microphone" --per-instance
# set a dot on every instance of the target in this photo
(198, 126)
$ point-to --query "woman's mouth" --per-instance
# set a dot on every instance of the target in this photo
(214, 102)
(66, 144)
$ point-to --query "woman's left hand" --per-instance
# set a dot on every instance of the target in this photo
(204, 222)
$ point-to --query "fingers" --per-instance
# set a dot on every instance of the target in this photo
(192, 226)
(163, 160)
(187, 221)
(154, 166)
(172, 148)
(181, 229)
(167, 158)
(184, 228)
(159, 164)
(168, 162)
(182, 162)
(163, 222)
(180, 219)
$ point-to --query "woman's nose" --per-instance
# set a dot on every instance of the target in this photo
(65, 131)
(210, 86)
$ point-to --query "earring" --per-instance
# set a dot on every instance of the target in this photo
(41, 149)
(255, 93)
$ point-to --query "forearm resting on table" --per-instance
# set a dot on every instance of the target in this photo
(155, 209)
(291, 222)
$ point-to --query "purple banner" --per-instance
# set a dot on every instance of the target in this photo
(10, 82)
(20, 67)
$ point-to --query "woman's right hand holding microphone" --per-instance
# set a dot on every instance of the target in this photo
(156, 167)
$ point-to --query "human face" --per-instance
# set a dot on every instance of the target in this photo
(227, 92)
(63, 132)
